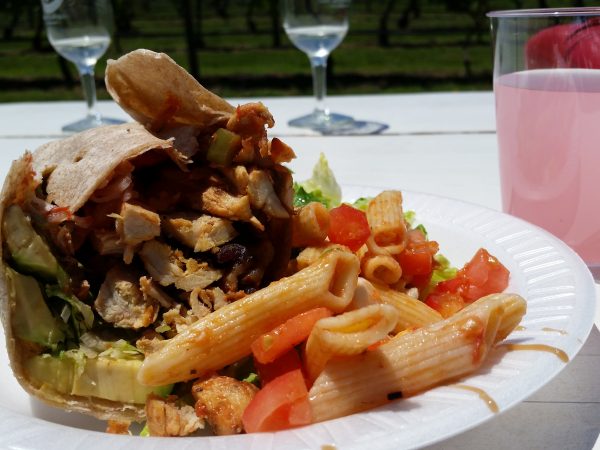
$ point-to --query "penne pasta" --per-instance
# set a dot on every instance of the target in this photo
(350, 333)
(224, 336)
(413, 312)
(380, 268)
(310, 255)
(415, 361)
(386, 220)
(310, 225)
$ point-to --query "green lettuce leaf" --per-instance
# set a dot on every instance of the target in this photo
(321, 187)
(81, 315)
(443, 271)
(362, 203)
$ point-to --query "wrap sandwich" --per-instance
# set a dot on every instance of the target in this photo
(117, 238)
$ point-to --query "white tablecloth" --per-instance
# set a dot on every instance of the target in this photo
(443, 144)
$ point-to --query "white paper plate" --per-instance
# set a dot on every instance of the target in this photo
(554, 280)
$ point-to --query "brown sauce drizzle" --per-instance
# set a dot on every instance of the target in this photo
(541, 348)
(554, 330)
(328, 447)
(489, 401)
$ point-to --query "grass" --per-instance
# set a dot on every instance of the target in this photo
(432, 53)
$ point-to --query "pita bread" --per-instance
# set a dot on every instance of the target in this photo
(80, 164)
(146, 85)
(19, 177)
(155, 91)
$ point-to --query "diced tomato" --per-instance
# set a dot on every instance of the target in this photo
(482, 275)
(282, 403)
(446, 303)
(284, 337)
(485, 275)
(348, 226)
(285, 363)
(417, 257)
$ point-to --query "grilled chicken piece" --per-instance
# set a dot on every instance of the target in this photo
(168, 266)
(201, 233)
(280, 152)
(221, 401)
(263, 196)
(121, 302)
(151, 291)
(134, 226)
(251, 120)
(237, 176)
(220, 203)
(165, 418)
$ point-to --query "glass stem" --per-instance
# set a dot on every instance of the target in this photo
(318, 65)
(88, 82)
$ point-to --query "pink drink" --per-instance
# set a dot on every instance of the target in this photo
(549, 138)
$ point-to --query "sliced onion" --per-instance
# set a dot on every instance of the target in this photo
(113, 190)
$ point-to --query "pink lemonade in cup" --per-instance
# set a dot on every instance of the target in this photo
(548, 124)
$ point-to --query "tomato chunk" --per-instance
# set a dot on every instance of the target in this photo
(446, 304)
(485, 275)
(417, 257)
(482, 275)
(348, 226)
(281, 404)
(285, 363)
(284, 337)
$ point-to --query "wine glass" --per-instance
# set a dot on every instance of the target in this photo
(317, 27)
(79, 30)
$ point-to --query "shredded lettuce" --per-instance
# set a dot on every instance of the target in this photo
(78, 358)
(145, 431)
(443, 271)
(421, 227)
(93, 345)
(362, 203)
(409, 217)
(82, 316)
(301, 197)
(122, 349)
(251, 378)
(321, 187)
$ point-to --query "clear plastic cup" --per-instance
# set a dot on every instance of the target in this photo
(547, 90)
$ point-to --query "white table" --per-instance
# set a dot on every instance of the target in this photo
(443, 144)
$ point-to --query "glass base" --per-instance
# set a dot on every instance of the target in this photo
(90, 122)
(336, 124)
(319, 120)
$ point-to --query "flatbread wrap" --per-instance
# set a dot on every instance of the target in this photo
(118, 238)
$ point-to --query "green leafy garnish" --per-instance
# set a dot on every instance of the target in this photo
(251, 378)
(362, 203)
(162, 328)
(421, 227)
(443, 271)
(81, 315)
(145, 431)
(302, 198)
(321, 187)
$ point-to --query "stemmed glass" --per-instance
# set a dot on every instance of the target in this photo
(79, 30)
(317, 27)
